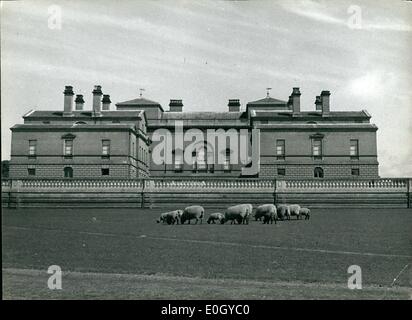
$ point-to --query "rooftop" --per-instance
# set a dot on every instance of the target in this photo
(72, 126)
(267, 101)
(138, 102)
(205, 115)
(313, 114)
(84, 114)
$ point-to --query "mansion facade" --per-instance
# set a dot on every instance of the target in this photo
(106, 143)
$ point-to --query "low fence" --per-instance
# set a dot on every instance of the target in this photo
(388, 193)
(209, 192)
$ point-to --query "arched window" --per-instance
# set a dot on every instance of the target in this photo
(68, 172)
(178, 154)
(80, 122)
(202, 153)
(226, 164)
(318, 172)
(201, 158)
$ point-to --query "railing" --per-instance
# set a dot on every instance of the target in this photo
(5, 183)
(391, 192)
(344, 185)
(79, 184)
(209, 184)
(237, 185)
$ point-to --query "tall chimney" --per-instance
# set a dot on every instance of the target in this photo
(289, 101)
(68, 101)
(234, 105)
(97, 94)
(324, 96)
(106, 102)
(318, 103)
(175, 105)
(295, 100)
(79, 102)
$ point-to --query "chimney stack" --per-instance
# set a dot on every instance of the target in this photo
(79, 102)
(68, 101)
(106, 102)
(318, 103)
(234, 105)
(175, 105)
(324, 96)
(295, 100)
(97, 94)
(289, 101)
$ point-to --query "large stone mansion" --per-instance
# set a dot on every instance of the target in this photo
(106, 143)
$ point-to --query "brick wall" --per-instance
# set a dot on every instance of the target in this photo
(79, 171)
(86, 162)
(330, 171)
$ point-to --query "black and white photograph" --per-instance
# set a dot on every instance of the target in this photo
(211, 151)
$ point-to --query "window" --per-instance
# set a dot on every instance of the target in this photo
(105, 172)
(201, 159)
(280, 149)
(355, 172)
(194, 161)
(317, 148)
(68, 172)
(31, 170)
(106, 148)
(211, 168)
(281, 171)
(68, 148)
(354, 149)
(318, 172)
(226, 164)
(178, 162)
(32, 148)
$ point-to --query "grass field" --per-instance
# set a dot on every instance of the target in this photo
(124, 254)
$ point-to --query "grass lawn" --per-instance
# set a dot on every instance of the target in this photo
(125, 254)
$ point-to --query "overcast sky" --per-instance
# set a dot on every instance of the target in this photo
(206, 52)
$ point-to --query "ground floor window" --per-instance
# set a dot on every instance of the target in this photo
(31, 171)
(178, 162)
(318, 172)
(105, 172)
(68, 172)
(355, 171)
(211, 168)
(281, 171)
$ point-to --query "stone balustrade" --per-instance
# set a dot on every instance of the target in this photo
(208, 185)
(79, 184)
(377, 185)
(5, 183)
(146, 192)
(211, 184)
